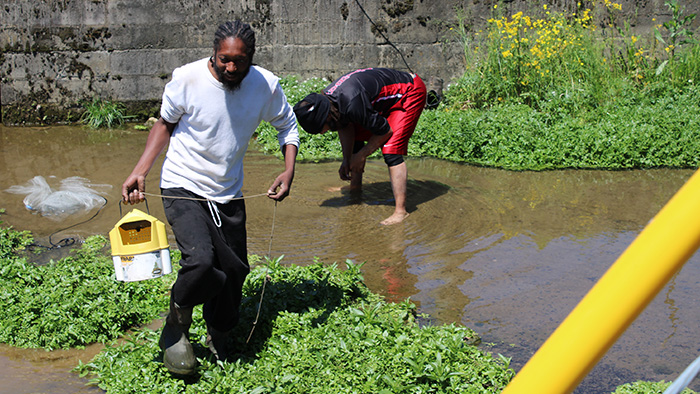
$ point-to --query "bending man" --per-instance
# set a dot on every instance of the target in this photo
(371, 108)
(209, 113)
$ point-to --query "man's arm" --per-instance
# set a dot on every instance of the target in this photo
(346, 135)
(135, 183)
(284, 180)
(357, 164)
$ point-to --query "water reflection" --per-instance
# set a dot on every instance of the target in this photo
(507, 253)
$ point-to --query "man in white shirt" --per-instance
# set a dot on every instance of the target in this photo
(210, 110)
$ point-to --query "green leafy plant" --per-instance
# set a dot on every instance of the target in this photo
(71, 302)
(635, 131)
(642, 387)
(678, 32)
(313, 147)
(100, 113)
(319, 330)
(12, 242)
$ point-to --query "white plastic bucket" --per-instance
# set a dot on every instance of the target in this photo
(143, 266)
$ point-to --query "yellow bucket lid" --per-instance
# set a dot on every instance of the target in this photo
(137, 232)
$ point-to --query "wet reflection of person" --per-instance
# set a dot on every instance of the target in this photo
(209, 113)
(370, 108)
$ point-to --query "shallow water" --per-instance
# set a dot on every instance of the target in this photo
(507, 253)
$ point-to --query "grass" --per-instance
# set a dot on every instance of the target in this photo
(100, 113)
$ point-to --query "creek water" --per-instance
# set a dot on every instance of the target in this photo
(508, 254)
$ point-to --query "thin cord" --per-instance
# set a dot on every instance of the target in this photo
(382, 34)
(267, 270)
(272, 231)
(69, 240)
(269, 250)
(201, 199)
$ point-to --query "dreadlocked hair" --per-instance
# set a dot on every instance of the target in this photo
(236, 29)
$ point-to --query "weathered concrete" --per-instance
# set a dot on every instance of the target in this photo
(56, 53)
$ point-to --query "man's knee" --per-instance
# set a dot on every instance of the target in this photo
(392, 160)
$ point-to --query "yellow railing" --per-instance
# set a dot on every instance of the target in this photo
(623, 292)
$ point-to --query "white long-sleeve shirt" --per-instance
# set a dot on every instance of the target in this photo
(214, 127)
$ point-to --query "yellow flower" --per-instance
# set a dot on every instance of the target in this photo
(495, 6)
(544, 6)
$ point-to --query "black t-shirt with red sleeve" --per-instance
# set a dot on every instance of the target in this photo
(366, 95)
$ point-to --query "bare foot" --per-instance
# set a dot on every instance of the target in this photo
(397, 217)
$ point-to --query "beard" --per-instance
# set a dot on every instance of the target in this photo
(231, 81)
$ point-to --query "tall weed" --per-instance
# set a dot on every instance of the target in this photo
(565, 57)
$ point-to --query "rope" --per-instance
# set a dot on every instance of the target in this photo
(68, 241)
(267, 270)
(382, 34)
(201, 199)
(269, 249)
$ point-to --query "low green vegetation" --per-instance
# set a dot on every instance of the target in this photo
(550, 90)
(318, 328)
(625, 133)
(646, 388)
(71, 302)
(315, 328)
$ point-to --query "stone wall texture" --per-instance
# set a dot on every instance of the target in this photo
(56, 53)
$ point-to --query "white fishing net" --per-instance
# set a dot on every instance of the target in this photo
(74, 195)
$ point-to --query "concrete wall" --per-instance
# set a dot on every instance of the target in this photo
(58, 52)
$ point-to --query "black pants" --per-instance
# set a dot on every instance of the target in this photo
(214, 259)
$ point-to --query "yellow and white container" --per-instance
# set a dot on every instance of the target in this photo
(140, 248)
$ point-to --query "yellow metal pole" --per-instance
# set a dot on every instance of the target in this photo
(623, 292)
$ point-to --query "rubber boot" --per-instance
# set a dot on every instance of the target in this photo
(178, 355)
(217, 342)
